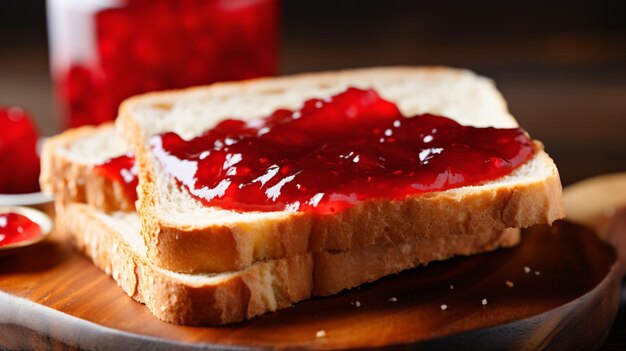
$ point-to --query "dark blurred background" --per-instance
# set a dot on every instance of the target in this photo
(561, 65)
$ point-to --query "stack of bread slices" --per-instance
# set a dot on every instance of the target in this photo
(198, 265)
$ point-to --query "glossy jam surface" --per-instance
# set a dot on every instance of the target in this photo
(334, 153)
(15, 228)
(19, 162)
(106, 51)
(121, 169)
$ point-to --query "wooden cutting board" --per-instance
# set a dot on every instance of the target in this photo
(52, 297)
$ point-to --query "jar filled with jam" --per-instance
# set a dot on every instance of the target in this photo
(103, 51)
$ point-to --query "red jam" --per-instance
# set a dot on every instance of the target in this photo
(15, 228)
(121, 169)
(19, 162)
(333, 153)
(105, 51)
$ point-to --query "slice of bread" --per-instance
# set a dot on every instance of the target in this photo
(67, 162)
(185, 236)
(114, 244)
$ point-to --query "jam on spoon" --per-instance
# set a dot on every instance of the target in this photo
(15, 228)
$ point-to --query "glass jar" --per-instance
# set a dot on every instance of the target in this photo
(103, 51)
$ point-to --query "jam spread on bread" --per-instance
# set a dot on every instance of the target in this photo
(121, 169)
(19, 161)
(334, 153)
(15, 228)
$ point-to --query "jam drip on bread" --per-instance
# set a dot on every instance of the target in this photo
(334, 153)
(121, 169)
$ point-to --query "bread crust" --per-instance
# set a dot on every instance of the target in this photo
(335, 271)
(260, 288)
(71, 181)
(461, 211)
(263, 287)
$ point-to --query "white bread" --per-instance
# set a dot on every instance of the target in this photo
(113, 243)
(67, 162)
(185, 236)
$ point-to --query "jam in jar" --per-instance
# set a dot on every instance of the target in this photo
(103, 51)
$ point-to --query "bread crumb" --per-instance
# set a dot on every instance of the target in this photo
(356, 303)
(444, 307)
(484, 302)
(526, 269)
(509, 283)
(537, 273)
(162, 308)
(451, 287)
(320, 334)
(393, 299)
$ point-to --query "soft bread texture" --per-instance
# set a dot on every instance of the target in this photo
(185, 236)
(114, 244)
(67, 162)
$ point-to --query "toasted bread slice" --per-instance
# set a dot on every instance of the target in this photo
(114, 244)
(184, 235)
